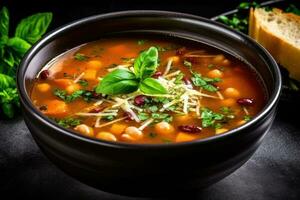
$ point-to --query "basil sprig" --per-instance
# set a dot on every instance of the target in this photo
(123, 81)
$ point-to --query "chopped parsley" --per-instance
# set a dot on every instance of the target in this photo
(210, 118)
(68, 122)
(179, 78)
(83, 83)
(109, 117)
(158, 117)
(80, 57)
(143, 116)
(187, 64)
(62, 94)
(247, 118)
(205, 82)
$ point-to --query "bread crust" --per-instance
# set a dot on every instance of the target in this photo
(284, 52)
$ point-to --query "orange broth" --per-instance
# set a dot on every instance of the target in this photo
(239, 97)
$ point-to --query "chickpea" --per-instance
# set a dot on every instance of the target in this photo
(218, 59)
(228, 102)
(215, 74)
(221, 130)
(85, 130)
(106, 136)
(164, 128)
(132, 133)
(232, 92)
(43, 87)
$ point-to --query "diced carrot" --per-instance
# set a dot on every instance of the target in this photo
(94, 64)
(43, 87)
(185, 137)
(118, 128)
(63, 82)
(72, 88)
(56, 107)
(90, 74)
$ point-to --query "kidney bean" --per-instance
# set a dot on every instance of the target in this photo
(245, 101)
(190, 128)
(187, 81)
(44, 74)
(157, 74)
(140, 100)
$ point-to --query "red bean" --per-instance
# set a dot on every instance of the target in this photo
(190, 128)
(44, 74)
(157, 74)
(245, 101)
(140, 100)
(96, 110)
(96, 95)
(129, 117)
(187, 81)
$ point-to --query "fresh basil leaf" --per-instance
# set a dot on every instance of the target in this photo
(119, 81)
(146, 63)
(4, 22)
(152, 86)
(19, 45)
(6, 82)
(33, 27)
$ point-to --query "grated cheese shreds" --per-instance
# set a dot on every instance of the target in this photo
(165, 106)
(97, 123)
(145, 124)
(220, 95)
(245, 110)
(185, 99)
(125, 66)
(96, 114)
(172, 74)
(198, 107)
(111, 122)
(79, 77)
(168, 67)
(98, 103)
(126, 108)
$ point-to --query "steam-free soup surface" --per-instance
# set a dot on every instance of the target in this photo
(148, 90)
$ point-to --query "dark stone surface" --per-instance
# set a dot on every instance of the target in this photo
(272, 173)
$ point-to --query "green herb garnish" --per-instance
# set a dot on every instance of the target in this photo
(83, 83)
(80, 57)
(247, 118)
(210, 118)
(68, 122)
(62, 94)
(158, 117)
(121, 81)
(12, 49)
(187, 64)
(205, 82)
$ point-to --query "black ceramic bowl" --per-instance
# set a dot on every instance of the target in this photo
(148, 169)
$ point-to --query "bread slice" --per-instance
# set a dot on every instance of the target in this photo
(279, 33)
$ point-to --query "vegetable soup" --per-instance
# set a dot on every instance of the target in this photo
(149, 90)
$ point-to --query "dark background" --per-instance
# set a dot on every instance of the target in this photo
(25, 173)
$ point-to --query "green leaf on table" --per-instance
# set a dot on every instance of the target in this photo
(6, 82)
(33, 27)
(4, 22)
(152, 86)
(19, 45)
(119, 81)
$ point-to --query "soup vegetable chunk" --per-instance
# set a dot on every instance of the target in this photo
(148, 91)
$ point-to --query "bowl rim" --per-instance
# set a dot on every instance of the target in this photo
(27, 103)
